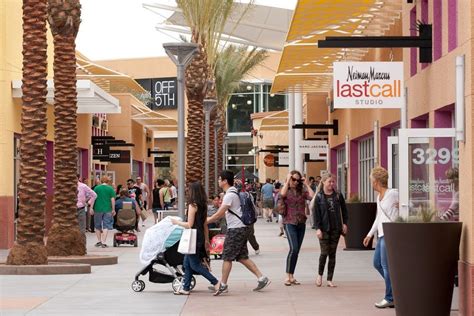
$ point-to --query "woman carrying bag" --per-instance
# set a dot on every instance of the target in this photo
(330, 221)
(196, 219)
(292, 206)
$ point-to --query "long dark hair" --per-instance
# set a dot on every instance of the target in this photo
(299, 186)
(197, 195)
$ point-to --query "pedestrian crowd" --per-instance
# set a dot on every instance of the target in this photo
(289, 203)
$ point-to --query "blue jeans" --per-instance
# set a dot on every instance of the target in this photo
(381, 265)
(295, 235)
(191, 264)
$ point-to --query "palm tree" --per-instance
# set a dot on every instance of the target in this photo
(232, 65)
(65, 238)
(29, 247)
(206, 19)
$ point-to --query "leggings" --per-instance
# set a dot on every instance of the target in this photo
(328, 249)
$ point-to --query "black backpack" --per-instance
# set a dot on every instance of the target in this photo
(249, 215)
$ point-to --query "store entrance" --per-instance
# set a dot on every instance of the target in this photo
(428, 164)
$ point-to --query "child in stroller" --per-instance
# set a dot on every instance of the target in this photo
(160, 249)
(125, 220)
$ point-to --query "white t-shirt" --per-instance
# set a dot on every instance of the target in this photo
(174, 194)
(144, 193)
(233, 201)
(387, 211)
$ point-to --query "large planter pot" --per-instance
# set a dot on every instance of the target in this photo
(361, 216)
(422, 259)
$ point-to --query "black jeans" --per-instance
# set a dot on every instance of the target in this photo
(295, 235)
(328, 249)
(252, 240)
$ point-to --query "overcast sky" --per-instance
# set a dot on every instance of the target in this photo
(115, 29)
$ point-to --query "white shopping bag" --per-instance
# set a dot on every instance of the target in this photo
(187, 244)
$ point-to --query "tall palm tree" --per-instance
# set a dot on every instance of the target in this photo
(206, 19)
(232, 65)
(65, 238)
(29, 247)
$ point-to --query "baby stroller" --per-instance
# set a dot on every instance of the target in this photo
(125, 224)
(166, 267)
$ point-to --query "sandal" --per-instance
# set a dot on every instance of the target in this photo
(288, 283)
(319, 281)
(295, 282)
(330, 284)
(222, 289)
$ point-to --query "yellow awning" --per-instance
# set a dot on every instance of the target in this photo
(305, 67)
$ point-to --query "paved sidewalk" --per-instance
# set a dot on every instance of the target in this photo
(106, 291)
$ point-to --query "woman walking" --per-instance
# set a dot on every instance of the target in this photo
(294, 194)
(330, 221)
(197, 219)
(157, 201)
(387, 211)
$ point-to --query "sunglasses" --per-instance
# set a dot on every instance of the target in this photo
(295, 180)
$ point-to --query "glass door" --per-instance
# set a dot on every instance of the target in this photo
(428, 173)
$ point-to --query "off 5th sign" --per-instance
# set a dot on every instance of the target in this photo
(368, 85)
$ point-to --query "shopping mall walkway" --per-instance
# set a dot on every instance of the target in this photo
(106, 291)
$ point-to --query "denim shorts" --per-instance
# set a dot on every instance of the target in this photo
(103, 220)
(156, 209)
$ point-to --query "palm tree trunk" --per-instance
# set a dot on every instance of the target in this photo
(65, 238)
(212, 155)
(29, 247)
(196, 77)
(220, 142)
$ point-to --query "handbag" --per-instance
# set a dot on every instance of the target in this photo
(187, 243)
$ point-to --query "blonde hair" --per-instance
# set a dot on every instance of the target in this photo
(380, 175)
(323, 179)
(105, 179)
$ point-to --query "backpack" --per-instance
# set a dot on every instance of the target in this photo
(249, 215)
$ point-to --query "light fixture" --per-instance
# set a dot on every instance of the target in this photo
(229, 158)
(249, 102)
(234, 106)
(249, 87)
(272, 95)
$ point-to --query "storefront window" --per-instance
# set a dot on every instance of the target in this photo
(366, 164)
(341, 171)
(135, 169)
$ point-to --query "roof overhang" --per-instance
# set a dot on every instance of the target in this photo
(272, 121)
(262, 26)
(162, 125)
(90, 97)
(306, 68)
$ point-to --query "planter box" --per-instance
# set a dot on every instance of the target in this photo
(422, 260)
(361, 216)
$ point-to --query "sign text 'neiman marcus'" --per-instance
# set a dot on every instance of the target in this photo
(368, 85)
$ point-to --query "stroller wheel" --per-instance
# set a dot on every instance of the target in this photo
(138, 285)
(193, 283)
(177, 283)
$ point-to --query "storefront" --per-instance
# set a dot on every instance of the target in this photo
(423, 150)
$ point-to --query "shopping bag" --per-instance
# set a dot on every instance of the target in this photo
(187, 243)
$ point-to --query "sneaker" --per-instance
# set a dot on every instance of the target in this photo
(262, 284)
(280, 234)
(222, 289)
(104, 246)
(181, 292)
(384, 304)
(257, 252)
(99, 244)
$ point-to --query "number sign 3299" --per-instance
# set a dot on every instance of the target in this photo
(431, 156)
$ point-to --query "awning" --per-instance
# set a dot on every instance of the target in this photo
(305, 67)
(90, 97)
(271, 121)
(263, 26)
(162, 126)
(108, 79)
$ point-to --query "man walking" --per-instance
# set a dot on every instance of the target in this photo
(235, 245)
(85, 197)
(103, 211)
(267, 193)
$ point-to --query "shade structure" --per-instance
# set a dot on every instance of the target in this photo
(306, 68)
(262, 26)
(247, 175)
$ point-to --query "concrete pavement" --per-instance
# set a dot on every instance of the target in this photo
(106, 291)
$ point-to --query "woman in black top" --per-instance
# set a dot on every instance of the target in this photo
(197, 219)
(330, 219)
(157, 204)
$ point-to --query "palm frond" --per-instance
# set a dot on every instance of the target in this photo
(232, 65)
